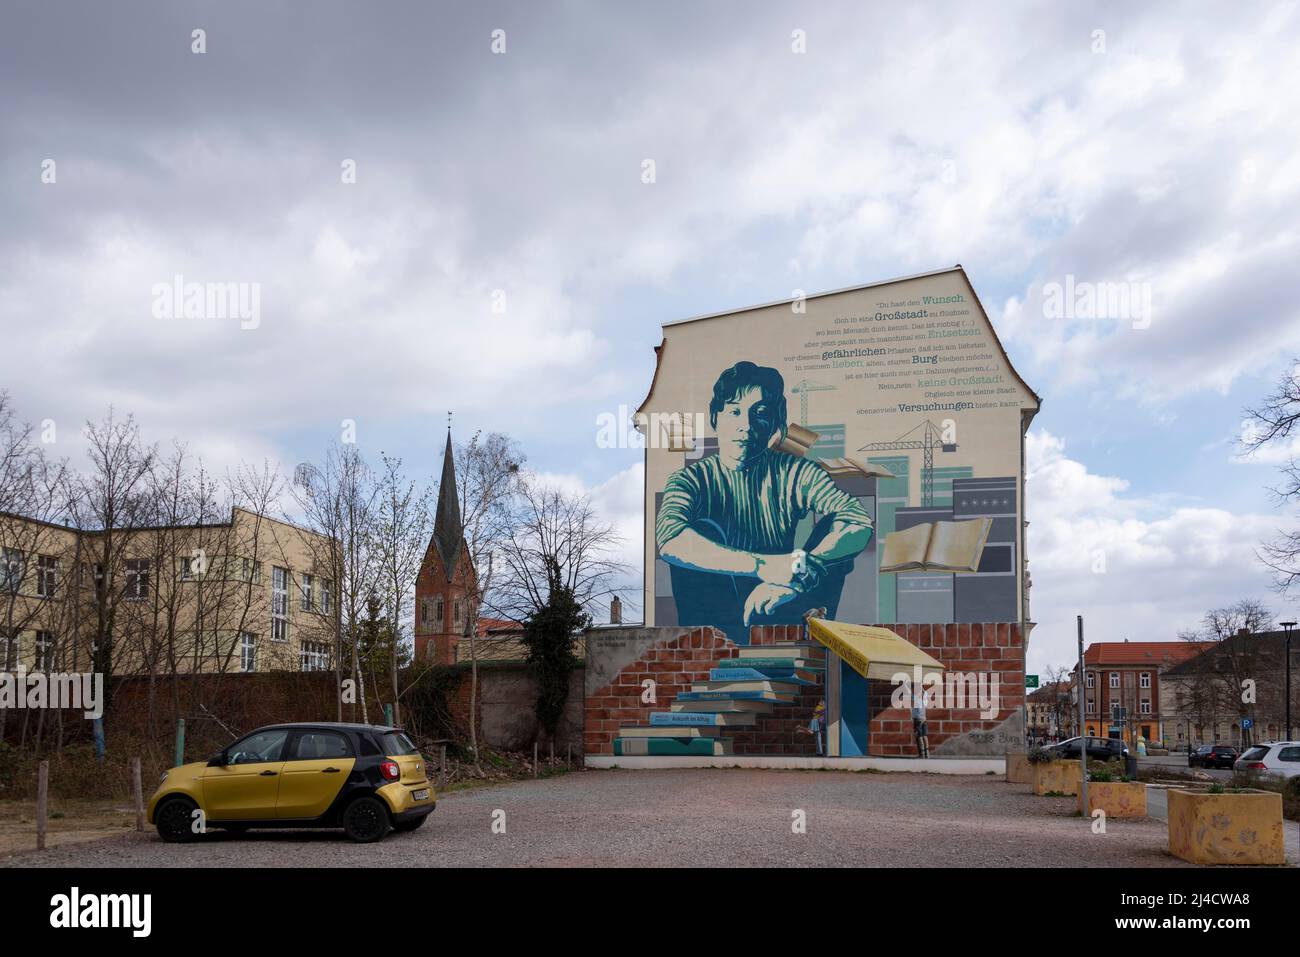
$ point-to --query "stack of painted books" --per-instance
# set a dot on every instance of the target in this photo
(737, 692)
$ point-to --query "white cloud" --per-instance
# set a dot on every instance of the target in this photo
(1134, 568)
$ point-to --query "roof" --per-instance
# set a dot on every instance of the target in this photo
(816, 295)
(1038, 400)
(490, 626)
(1049, 691)
(1166, 653)
(338, 725)
(1268, 642)
(448, 532)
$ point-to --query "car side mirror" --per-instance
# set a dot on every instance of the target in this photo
(218, 760)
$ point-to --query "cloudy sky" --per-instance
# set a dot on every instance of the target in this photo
(498, 253)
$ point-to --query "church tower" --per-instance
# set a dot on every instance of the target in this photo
(446, 584)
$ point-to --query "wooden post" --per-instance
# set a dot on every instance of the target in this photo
(42, 802)
(442, 767)
(138, 788)
(534, 759)
(568, 761)
(552, 759)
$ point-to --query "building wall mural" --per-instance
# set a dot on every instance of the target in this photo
(858, 452)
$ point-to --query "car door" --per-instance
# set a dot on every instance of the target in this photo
(319, 764)
(246, 786)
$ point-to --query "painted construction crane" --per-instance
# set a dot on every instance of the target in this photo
(801, 389)
(931, 436)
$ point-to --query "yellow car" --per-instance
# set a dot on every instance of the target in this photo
(366, 779)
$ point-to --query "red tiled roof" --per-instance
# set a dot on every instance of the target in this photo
(1165, 653)
(488, 626)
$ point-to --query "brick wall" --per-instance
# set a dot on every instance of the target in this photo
(684, 657)
(968, 648)
(673, 664)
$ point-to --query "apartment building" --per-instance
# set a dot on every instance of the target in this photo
(250, 594)
(1126, 675)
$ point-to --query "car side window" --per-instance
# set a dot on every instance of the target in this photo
(1289, 754)
(257, 748)
(321, 745)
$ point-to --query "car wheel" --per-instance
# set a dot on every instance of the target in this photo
(412, 825)
(366, 820)
(174, 820)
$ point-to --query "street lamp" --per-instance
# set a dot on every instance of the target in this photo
(1288, 625)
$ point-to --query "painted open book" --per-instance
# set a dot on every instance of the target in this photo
(936, 547)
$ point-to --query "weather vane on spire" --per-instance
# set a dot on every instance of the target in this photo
(449, 422)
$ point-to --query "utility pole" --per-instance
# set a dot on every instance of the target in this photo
(1083, 742)
(1288, 625)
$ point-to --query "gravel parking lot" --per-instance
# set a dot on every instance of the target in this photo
(683, 818)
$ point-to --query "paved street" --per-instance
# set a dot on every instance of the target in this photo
(1178, 762)
(695, 817)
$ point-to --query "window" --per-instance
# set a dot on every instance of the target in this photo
(326, 596)
(1291, 754)
(1092, 705)
(247, 652)
(258, 748)
(8, 650)
(314, 656)
(305, 586)
(396, 744)
(321, 746)
(457, 610)
(250, 571)
(279, 603)
(137, 579)
(12, 569)
(437, 610)
(1144, 680)
(44, 652)
(1114, 679)
(47, 576)
(1144, 707)
(424, 611)
(1092, 679)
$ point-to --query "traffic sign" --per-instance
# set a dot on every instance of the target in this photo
(1247, 724)
(1031, 681)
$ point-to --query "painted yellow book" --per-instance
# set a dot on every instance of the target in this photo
(936, 547)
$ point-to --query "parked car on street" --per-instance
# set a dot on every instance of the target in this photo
(1099, 749)
(365, 779)
(1279, 759)
(1213, 756)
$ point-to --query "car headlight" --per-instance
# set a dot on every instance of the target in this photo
(163, 778)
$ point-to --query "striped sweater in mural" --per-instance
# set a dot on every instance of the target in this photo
(755, 508)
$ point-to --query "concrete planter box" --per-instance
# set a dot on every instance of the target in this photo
(1018, 768)
(1064, 777)
(1116, 798)
(1240, 828)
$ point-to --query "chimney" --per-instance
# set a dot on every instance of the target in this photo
(616, 611)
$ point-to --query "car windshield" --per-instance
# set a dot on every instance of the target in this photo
(257, 748)
(396, 744)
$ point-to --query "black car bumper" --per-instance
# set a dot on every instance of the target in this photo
(414, 813)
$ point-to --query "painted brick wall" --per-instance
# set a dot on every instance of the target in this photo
(686, 657)
(672, 664)
(972, 648)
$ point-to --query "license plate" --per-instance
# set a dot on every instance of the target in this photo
(420, 795)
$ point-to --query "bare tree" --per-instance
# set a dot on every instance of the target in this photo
(338, 501)
(1233, 663)
(36, 554)
(401, 535)
(111, 501)
(1274, 422)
